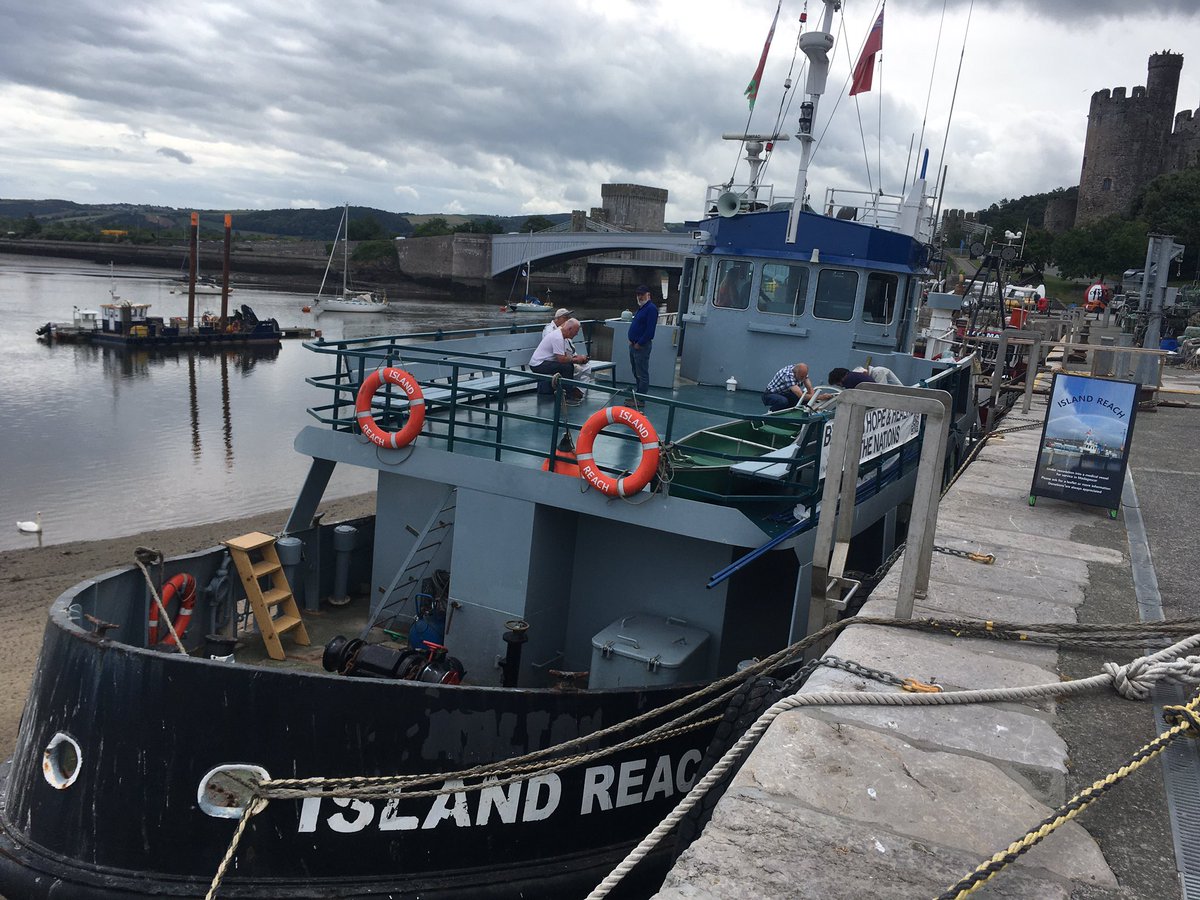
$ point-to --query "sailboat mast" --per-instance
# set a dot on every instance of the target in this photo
(346, 252)
(816, 46)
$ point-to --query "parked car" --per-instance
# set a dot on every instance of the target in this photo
(1135, 275)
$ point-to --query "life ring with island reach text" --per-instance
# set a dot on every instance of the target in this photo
(632, 419)
(416, 408)
(183, 585)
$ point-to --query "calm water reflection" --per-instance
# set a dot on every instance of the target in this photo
(108, 442)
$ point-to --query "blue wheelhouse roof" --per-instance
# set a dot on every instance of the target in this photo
(839, 241)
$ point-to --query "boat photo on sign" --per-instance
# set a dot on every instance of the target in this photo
(1085, 441)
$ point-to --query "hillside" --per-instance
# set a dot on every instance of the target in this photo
(306, 224)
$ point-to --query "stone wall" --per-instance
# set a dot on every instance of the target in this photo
(1060, 214)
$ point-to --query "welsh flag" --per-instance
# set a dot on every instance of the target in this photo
(751, 91)
(865, 69)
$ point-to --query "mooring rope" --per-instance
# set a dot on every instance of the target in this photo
(1132, 681)
(144, 556)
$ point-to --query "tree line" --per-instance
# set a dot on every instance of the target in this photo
(1105, 248)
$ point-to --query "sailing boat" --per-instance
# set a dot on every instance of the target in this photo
(347, 301)
(529, 303)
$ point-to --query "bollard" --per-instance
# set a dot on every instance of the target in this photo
(344, 539)
(291, 551)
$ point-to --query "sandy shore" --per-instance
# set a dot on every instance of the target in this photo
(31, 579)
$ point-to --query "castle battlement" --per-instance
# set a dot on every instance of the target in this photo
(1187, 121)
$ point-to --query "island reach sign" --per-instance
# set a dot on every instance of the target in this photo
(1085, 441)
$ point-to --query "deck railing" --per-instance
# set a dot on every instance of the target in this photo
(484, 421)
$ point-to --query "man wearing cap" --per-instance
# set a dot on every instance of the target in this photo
(555, 355)
(641, 336)
(560, 316)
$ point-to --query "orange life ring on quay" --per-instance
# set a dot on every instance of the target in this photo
(416, 408)
(631, 418)
(183, 585)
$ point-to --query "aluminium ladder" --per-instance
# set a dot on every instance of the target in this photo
(257, 560)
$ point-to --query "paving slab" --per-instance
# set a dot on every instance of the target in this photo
(945, 601)
(878, 780)
(1017, 580)
(958, 663)
(1027, 544)
(790, 851)
(1007, 734)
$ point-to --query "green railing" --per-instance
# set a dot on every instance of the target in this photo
(470, 380)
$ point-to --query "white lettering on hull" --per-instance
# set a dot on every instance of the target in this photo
(605, 788)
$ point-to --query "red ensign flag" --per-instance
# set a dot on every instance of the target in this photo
(866, 62)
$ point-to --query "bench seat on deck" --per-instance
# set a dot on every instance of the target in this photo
(482, 386)
(773, 465)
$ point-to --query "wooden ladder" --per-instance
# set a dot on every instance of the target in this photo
(256, 559)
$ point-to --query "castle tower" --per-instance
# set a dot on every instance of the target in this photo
(1127, 137)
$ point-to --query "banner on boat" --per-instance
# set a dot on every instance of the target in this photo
(1085, 441)
(883, 430)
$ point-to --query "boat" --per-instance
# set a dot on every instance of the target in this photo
(530, 305)
(348, 300)
(84, 322)
(499, 682)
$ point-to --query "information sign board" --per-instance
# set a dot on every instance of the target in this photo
(1085, 441)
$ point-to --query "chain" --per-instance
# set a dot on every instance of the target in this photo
(887, 564)
(834, 662)
(985, 558)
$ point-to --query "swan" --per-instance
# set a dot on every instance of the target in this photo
(33, 527)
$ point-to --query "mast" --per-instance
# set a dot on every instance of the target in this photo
(346, 253)
(816, 46)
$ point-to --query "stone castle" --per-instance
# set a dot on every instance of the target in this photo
(1132, 137)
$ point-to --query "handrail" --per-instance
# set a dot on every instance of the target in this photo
(503, 434)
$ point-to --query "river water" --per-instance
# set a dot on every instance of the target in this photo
(108, 442)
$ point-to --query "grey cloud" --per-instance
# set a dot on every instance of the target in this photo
(175, 154)
(1073, 10)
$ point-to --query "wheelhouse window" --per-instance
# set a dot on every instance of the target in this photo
(879, 303)
(733, 284)
(836, 289)
(783, 289)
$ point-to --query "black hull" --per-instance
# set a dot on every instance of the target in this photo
(151, 725)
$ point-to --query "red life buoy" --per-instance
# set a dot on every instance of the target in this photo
(416, 408)
(631, 418)
(184, 585)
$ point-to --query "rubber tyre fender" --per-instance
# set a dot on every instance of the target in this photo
(746, 704)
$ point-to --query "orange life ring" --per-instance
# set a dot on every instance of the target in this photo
(416, 408)
(184, 585)
(631, 418)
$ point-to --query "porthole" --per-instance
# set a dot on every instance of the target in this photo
(225, 791)
(61, 761)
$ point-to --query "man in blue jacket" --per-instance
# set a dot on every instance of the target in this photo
(641, 336)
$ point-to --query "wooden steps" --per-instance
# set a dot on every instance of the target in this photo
(256, 559)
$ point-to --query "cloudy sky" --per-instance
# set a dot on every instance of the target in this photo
(528, 106)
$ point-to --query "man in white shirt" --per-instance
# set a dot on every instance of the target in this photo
(560, 317)
(555, 355)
